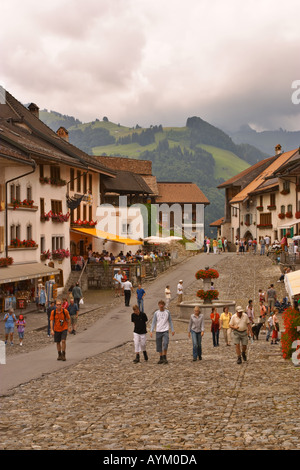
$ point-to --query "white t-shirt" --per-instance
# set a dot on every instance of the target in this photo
(127, 285)
(179, 288)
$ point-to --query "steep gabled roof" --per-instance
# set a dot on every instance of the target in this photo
(34, 137)
(244, 177)
(260, 179)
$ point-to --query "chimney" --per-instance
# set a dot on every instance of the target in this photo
(63, 133)
(278, 150)
(34, 109)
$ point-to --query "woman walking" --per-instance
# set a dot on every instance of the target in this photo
(215, 326)
(196, 329)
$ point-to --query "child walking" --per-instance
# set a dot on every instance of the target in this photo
(21, 323)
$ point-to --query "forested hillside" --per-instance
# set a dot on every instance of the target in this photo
(197, 152)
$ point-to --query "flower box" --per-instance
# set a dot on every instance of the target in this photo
(45, 255)
(16, 243)
(285, 191)
(289, 215)
(84, 223)
(281, 215)
(271, 207)
(4, 262)
(60, 254)
(208, 295)
(260, 208)
(264, 225)
(60, 217)
(25, 204)
(207, 274)
(53, 181)
(297, 215)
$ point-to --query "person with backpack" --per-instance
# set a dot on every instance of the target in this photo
(60, 323)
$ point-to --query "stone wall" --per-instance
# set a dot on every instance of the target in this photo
(100, 276)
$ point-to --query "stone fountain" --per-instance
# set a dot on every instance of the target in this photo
(208, 297)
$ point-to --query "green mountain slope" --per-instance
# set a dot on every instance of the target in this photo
(197, 152)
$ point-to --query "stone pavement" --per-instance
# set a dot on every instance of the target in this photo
(105, 402)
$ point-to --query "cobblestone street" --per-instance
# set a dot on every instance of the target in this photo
(109, 403)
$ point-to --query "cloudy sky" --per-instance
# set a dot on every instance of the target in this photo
(155, 61)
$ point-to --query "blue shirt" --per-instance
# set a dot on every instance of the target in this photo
(9, 323)
(140, 293)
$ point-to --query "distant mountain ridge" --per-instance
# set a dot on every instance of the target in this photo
(266, 140)
(198, 152)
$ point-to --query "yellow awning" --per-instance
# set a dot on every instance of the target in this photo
(107, 236)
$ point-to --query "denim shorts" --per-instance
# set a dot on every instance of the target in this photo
(162, 341)
(9, 330)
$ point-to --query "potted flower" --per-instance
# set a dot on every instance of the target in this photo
(291, 320)
(4, 262)
(60, 254)
(281, 215)
(207, 274)
(289, 214)
(208, 295)
(45, 255)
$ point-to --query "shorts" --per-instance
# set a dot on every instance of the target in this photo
(162, 341)
(240, 337)
(74, 319)
(21, 334)
(60, 336)
(9, 330)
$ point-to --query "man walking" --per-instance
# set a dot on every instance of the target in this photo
(162, 322)
(73, 312)
(60, 322)
(271, 298)
(240, 324)
(127, 287)
(140, 294)
(179, 291)
(77, 294)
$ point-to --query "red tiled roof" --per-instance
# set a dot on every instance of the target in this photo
(182, 193)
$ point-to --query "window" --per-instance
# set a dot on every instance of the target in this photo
(78, 181)
(286, 186)
(126, 228)
(56, 206)
(78, 212)
(18, 192)
(290, 208)
(29, 232)
(29, 193)
(42, 206)
(282, 209)
(57, 243)
(85, 183)
(55, 172)
(41, 171)
(12, 192)
(84, 212)
(272, 199)
(266, 219)
(18, 231)
(42, 244)
(91, 183)
(12, 232)
(72, 176)
(90, 213)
